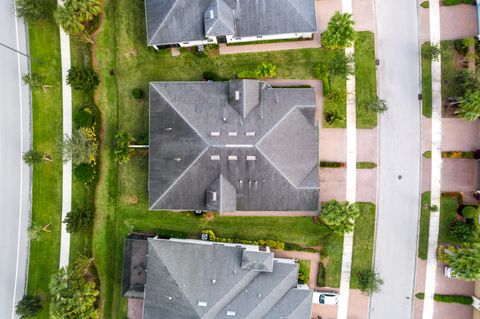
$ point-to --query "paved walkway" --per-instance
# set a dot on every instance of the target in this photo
(67, 130)
(456, 22)
(436, 164)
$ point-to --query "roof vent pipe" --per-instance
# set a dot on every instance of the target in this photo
(211, 14)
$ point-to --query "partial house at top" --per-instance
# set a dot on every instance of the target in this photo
(186, 279)
(232, 146)
(189, 23)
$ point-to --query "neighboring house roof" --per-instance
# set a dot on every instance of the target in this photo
(194, 279)
(176, 21)
(251, 149)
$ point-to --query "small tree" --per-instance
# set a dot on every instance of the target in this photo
(464, 260)
(469, 107)
(340, 33)
(462, 231)
(84, 173)
(33, 10)
(33, 80)
(434, 52)
(32, 157)
(369, 281)
(377, 105)
(84, 79)
(266, 71)
(122, 150)
(29, 306)
(79, 220)
(341, 65)
(339, 216)
(79, 148)
(72, 296)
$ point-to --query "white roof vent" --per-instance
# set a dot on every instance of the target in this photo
(214, 281)
(250, 133)
(216, 133)
(215, 157)
(237, 95)
(168, 129)
(211, 14)
(232, 133)
(178, 159)
(232, 158)
(231, 313)
(202, 303)
(251, 158)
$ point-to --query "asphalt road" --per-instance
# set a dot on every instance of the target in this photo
(399, 152)
(14, 175)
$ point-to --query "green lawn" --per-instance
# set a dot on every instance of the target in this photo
(363, 241)
(47, 177)
(424, 226)
(449, 69)
(448, 213)
(426, 81)
(366, 79)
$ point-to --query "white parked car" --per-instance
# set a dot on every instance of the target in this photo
(325, 298)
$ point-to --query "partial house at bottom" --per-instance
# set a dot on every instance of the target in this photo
(241, 145)
(180, 279)
(188, 23)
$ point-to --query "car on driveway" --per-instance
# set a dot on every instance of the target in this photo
(325, 298)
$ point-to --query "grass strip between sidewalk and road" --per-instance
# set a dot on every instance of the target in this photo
(44, 42)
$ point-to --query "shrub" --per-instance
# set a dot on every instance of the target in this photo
(84, 79)
(377, 105)
(32, 157)
(340, 33)
(434, 208)
(122, 149)
(212, 76)
(460, 47)
(79, 220)
(464, 260)
(366, 165)
(321, 275)
(469, 212)
(331, 164)
(137, 93)
(369, 281)
(84, 117)
(81, 147)
(246, 75)
(456, 2)
(341, 65)
(75, 16)
(270, 243)
(469, 107)
(465, 81)
(425, 4)
(33, 80)
(464, 300)
(462, 231)
(339, 216)
(84, 172)
(304, 272)
(266, 71)
(28, 307)
(167, 234)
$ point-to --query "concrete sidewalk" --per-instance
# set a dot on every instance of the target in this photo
(67, 131)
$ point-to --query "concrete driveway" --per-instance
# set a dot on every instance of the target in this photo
(15, 176)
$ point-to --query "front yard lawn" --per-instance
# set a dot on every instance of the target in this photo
(44, 45)
(424, 226)
(426, 81)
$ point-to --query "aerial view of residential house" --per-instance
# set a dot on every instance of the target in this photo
(189, 23)
(232, 146)
(179, 278)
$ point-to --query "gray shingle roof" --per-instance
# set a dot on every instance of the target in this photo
(257, 261)
(197, 280)
(176, 21)
(205, 154)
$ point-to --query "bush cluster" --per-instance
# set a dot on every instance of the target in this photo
(122, 149)
(270, 243)
(326, 164)
(303, 273)
(246, 75)
(167, 234)
(464, 300)
(79, 220)
(85, 173)
(84, 117)
(137, 93)
(84, 79)
(455, 2)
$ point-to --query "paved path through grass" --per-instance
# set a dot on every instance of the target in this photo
(67, 130)
(436, 164)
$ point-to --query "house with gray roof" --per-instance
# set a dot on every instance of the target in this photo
(189, 23)
(180, 279)
(232, 146)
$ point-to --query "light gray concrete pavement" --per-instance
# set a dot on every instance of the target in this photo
(399, 156)
(15, 176)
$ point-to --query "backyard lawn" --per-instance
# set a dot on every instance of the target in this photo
(47, 177)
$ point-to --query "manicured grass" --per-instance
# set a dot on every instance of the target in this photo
(448, 213)
(424, 226)
(366, 79)
(333, 268)
(426, 81)
(449, 69)
(47, 177)
(363, 241)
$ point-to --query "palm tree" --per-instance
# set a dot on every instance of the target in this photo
(266, 70)
(340, 33)
(32, 157)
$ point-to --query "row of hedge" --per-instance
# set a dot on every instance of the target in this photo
(454, 154)
(274, 244)
(464, 300)
(360, 165)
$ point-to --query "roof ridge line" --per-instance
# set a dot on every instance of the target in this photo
(165, 18)
(301, 14)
